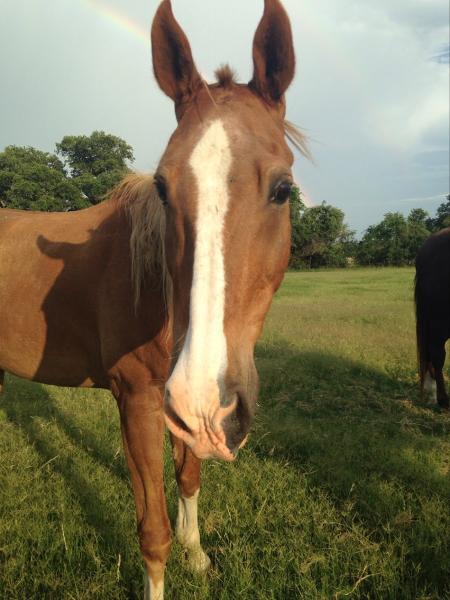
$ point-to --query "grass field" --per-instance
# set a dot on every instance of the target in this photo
(342, 492)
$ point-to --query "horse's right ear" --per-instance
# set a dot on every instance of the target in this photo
(173, 65)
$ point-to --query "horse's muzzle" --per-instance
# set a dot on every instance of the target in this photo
(218, 434)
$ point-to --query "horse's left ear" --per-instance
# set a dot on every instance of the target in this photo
(173, 64)
(273, 53)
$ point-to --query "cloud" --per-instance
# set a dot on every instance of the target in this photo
(425, 199)
(442, 56)
(379, 105)
(421, 15)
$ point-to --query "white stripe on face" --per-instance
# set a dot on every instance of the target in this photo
(203, 359)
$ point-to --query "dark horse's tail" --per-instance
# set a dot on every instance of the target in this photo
(422, 330)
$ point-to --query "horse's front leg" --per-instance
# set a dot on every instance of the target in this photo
(187, 469)
(142, 424)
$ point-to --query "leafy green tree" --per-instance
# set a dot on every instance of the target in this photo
(394, 241)
(297, 209)
(320, 237)
(418, 216)
(442, 215)
(325, 236)
(385, 243)
(34, 180)
(95, 163)
(417, 232)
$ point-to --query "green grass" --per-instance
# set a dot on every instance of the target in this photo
(342, 492)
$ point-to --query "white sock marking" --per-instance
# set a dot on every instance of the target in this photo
(429, 387)
(187, 521)
(153, 591)
(203, 359)
(188, 534)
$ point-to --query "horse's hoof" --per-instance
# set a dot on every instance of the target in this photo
(197, 560)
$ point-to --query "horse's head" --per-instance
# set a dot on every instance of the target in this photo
(225, 180)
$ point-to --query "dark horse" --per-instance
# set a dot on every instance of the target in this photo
(432, 296)
(160, 292)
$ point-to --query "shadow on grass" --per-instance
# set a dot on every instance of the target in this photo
(25, 404)
(80, 436)
(364, 437)
(356, 433)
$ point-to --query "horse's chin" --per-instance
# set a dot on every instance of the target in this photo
(208, 451)
(204, 443)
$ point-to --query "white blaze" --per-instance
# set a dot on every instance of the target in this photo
(203, 359)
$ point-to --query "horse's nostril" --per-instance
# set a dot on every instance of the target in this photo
(237, 424)
(229, 399)
(242, 412)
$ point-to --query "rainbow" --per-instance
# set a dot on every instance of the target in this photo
(120, 20)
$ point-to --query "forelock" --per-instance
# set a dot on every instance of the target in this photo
(225, 76)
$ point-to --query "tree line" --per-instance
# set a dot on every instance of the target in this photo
(84, 168)
(321, 238)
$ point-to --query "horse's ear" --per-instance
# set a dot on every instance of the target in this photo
(173, 64)
(273, 53)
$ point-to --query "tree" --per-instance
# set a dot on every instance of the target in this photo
(297, 209)
(418, 216)
(442, 215)
(324, 232)
(320, 237)
(417, 232)
(394, 241)
(35, 180)
(385, 243)
(95, 163)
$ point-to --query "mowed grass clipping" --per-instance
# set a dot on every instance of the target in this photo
(342, 492)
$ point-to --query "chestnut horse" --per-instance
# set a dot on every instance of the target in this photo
(159, 293)
(432, 298)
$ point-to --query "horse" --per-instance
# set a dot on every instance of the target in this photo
(159, 292)
(432, 300)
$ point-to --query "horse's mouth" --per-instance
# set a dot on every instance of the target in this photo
(204, 442)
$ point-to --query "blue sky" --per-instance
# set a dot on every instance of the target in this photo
(371, 91)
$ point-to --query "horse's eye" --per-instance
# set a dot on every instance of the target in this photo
(281, 192)
(162, 190)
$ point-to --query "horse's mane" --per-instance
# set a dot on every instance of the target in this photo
(138, 196)
(297, 139)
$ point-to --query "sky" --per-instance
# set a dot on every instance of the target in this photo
(371, 89)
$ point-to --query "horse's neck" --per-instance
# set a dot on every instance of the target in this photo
(151, 292)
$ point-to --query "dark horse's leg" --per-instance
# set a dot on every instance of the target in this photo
(437, 361)
(2, 378)
(142, 424)
(187, 470)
